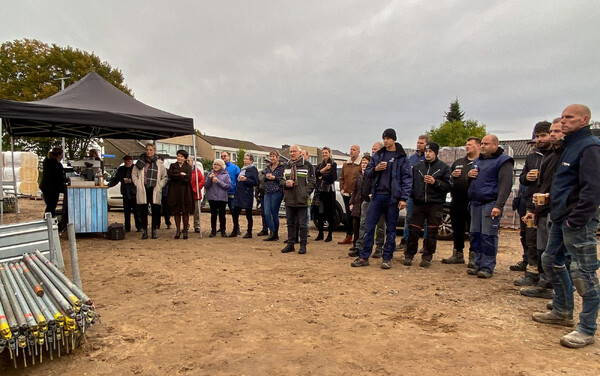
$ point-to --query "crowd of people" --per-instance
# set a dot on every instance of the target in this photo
(559, 193)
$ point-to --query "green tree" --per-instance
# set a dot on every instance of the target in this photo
(455, 133)
(30, 70)
(455, 114)
(239, 159)
(207, 164)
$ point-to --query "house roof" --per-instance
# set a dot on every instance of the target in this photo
(129, 147)
(231, 143)
(520, 148)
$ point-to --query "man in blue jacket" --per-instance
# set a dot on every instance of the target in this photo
(491, 183)
(392, 180)
(574, 200)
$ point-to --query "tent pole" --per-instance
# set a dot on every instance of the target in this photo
(12, 153)
(1, 178)
(198, 203)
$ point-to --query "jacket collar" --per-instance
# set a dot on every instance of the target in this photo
(356, 161)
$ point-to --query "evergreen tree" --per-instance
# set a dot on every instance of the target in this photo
(455, 114)
(239, 159)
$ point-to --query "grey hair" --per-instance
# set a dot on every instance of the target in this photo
(219, 162)
(249, 155)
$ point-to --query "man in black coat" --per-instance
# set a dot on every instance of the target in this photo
(431, 183)
(123, 176)
(459, 208)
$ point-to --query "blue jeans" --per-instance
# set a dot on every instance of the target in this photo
(409, 209)
(271, 204)
(580, 243)
(483, 235)
(380, 204)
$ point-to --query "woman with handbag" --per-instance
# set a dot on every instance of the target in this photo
(326, 174)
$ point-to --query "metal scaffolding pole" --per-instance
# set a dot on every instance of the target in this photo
(198, 202)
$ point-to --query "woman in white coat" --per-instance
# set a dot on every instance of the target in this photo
(149, 176)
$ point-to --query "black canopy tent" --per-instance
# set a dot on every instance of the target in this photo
(91, 107)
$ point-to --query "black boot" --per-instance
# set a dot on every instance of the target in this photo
(289, 247)
(223, 234)
(273, 236)
(248, 235)
(177, 234)
(154, 236)
(263, 233)
(328, 238)
(302, 249)
(144, 233)
(234, 233)
(320, 236)
(185, 233)
(212, 234)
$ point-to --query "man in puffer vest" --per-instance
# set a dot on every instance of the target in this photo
(574, 200)
(491, 183)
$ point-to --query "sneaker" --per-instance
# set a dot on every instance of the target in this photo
(353, 252)
(425, 263)
(520, 266)
(553, 318)
(472, 271)
(378, 253)
(537, 292)
(529, 279)
(358, 262)
(407, 261)
(576, 340)
(386, 264)
(484, 274)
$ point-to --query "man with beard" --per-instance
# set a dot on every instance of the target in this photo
(431, 183)
(491, 183)
(459, 207)
(528, 178)
(574, 198)
(539, 212)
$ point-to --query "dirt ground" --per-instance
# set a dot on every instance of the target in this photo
(240, 307)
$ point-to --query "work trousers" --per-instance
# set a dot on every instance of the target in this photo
(484, 235)
(296, 223)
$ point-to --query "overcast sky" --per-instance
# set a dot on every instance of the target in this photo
(335, 72)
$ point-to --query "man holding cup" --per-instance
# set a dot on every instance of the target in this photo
(491, 183)
(539, 211)
(528, 179)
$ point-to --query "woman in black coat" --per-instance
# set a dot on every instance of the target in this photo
(326, 174)
(53, 179)
(180, 196)
(244, 195)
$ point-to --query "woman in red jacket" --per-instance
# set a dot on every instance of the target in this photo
(197, 191)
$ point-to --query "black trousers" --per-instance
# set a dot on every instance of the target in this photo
(296, 219)
(347, 216)
(129, 207)
(143, 210)
(433, 214)
(236, 218)
(166, 210)
(461, 220)
(51, 200)
(217, 209)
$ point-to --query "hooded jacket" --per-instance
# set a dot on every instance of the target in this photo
(423, 193)
(401, 173)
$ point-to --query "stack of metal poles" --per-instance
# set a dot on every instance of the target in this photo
(41, 310)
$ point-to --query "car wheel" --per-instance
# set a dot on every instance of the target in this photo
(445, 231)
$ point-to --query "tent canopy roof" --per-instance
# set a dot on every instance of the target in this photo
(91, 107)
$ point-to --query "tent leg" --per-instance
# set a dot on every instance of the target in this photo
(197, 201)
(12, 153)
(1, 178)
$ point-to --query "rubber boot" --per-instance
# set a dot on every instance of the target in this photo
(456, 258)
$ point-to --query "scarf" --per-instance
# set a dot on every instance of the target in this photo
(152, 171)
(294, 169)
(243, 170)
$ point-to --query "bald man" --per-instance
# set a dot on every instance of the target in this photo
(350, 170)
(574, 201)
(490, 186)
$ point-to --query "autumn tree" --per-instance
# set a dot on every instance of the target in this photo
(31, 70)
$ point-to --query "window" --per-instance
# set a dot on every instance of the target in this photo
(312, 159)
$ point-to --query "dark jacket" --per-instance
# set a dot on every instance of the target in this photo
(356, 198)
(244, 190)
(53, 177)
(401, 174)
(297, 196)
(460, 185)
(325, 181)
(127, 189)
(435, 193)
(532, 162)
(575, 192)
(180, 196)
(273, 186)
(490, 185)
(544, 181)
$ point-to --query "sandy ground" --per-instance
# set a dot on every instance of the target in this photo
(241, 307)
